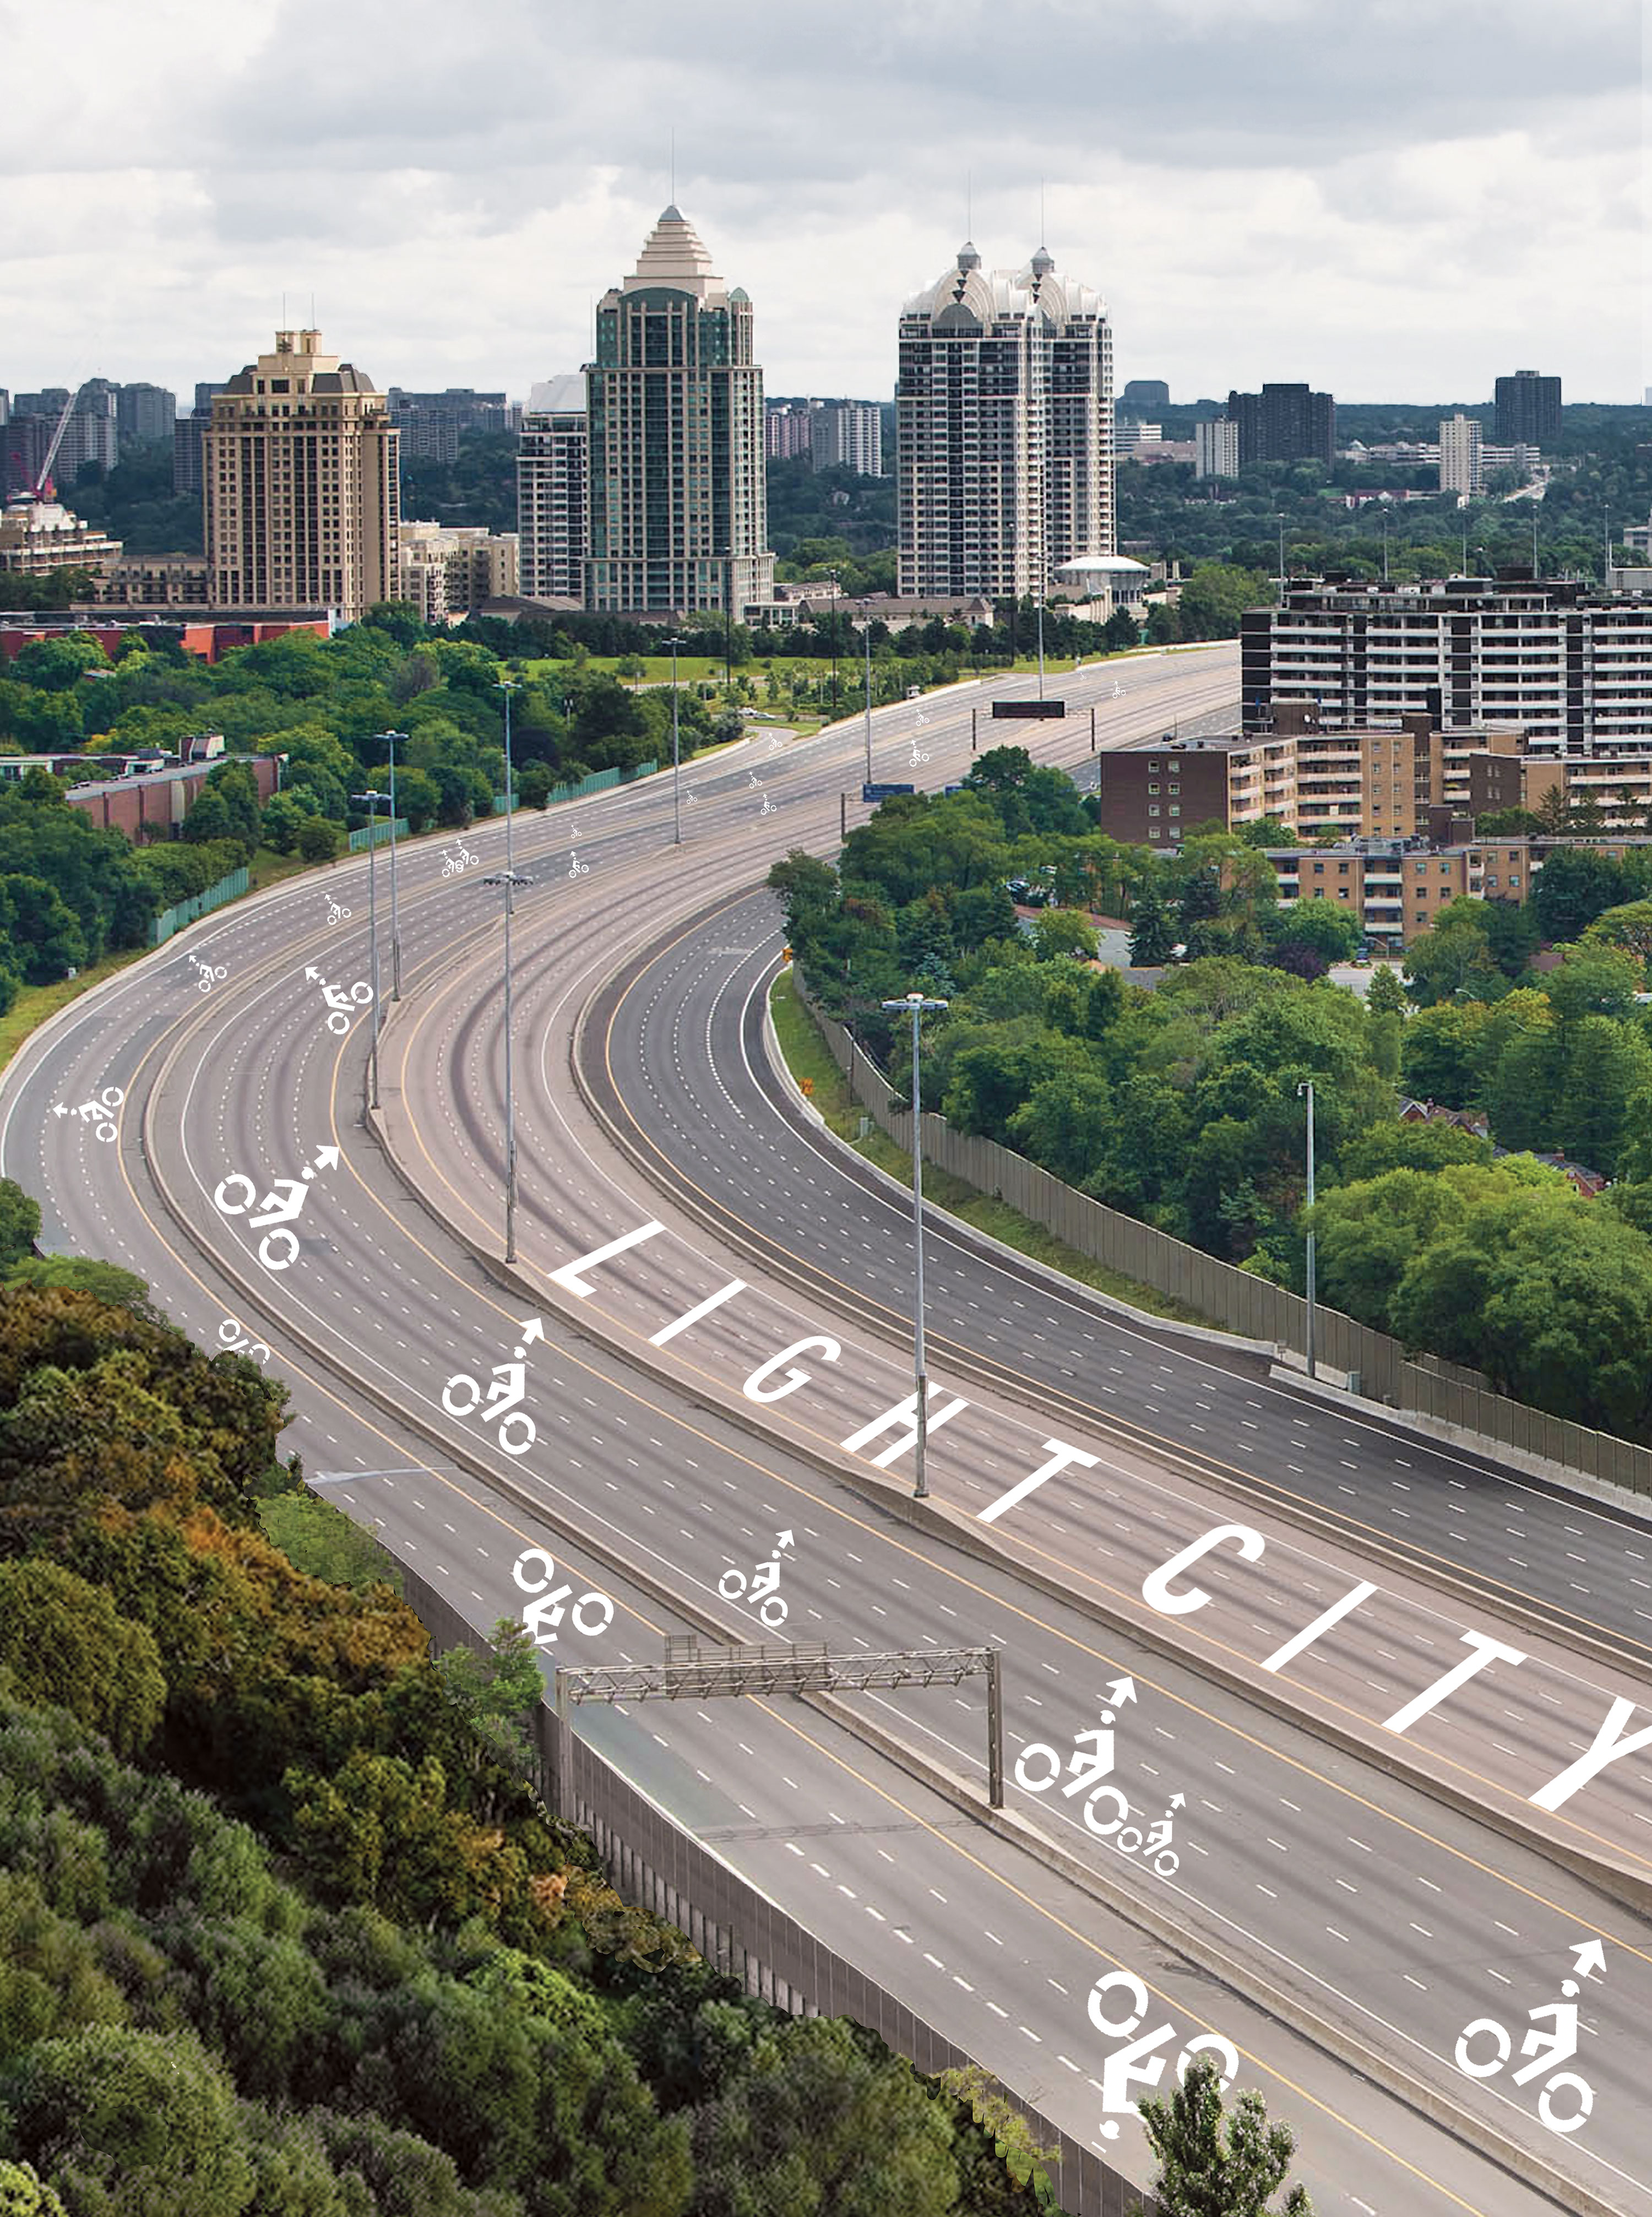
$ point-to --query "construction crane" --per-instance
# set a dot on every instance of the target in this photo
(43, 488)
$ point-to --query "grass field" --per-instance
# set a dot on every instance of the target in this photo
(808, 1057)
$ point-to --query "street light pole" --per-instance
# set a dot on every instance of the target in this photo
(508, 686)
(865, 635)
(674, 643)
(373, 799)
(510, 881)
(391, 739)
(916, 1005)
(1307, 1087)
(1040, 646)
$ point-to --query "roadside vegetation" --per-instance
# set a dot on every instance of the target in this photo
(1180, 1105)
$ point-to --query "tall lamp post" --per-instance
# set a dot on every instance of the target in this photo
(917, 1005)
(508, 686)
(370, 799)
(1307, 1087)
(674, 643)
(511, 882)
(1040, 646)
(391, 739)
(834, 576)
(866, 637)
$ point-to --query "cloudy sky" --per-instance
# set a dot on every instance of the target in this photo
(1397, 199)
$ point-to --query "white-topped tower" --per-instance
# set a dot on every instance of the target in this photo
(676, 503)
(1003, 429)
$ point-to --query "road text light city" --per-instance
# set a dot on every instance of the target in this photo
(917, 1005)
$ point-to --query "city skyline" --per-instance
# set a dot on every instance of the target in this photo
(1254, 202)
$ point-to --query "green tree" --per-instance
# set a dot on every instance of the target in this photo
(319, 840)
(1593, 980)
(1441, 1053)
(1386, 995)
(40, 933)
(133, 2121)
(1152, 933)
(65, 1643)
(1214, 2163)
(498, 1690)
(22, 2193)
(20, 1223)
(1062, 931)
(1628, 926)
(1121, 631)
(818, 2127)
(1064, 1123)
(284, 815)
(1216, 594)
(1454, 960)
(80, 1273)
(1574, 886)
(1330, 929)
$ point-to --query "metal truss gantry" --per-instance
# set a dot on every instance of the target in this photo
(693, 1672)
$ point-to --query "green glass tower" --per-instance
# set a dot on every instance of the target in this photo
(677, 489)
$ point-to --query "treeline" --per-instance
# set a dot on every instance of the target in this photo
(1182, 1105)
(281, 1930)
(325, 704)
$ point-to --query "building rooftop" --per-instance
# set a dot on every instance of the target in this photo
(968, 295)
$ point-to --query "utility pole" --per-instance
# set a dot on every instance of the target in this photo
(1307, 1087)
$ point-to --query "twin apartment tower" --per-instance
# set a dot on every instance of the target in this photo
(641, 482)
(640, 485)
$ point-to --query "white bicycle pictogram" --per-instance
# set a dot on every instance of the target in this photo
(209, 972)
(576, 868)
(340, 1000)
(236, 1342)
(337, 912)
(757, 1590)
(501, 1405)
(452, 864)
(1545, 2048)
(98, 1113)
(1139, 2065)
(1153, 1845)
(235, 1194)
(1087, 1770)
(592, 1612)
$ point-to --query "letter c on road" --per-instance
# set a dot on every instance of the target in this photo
(1156, 1588)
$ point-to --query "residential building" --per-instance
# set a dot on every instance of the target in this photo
(1396, 887)
(1528, 410)
(40, 535)
(1145, 393)
(1461, 468)
(431, 423)
(187, 435)
(144, 413)
(1004, 430)
(155, 581)
(448, 570)
(1283, 423)
(846, 434)
(788, 429)
(1131, 434)
(676, 500)
(301, 489)
(92, 433)
(1216, 447)
(551, 461)
(1568, 664)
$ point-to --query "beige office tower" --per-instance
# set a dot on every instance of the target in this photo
(300, 486)
(676, 501)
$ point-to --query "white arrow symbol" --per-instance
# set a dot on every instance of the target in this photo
(1177, 1800)
(326, 1159)
(315, 977)
(1120, 1691)
(531, 1328)
(783, 1539)
(59, 1109)
(1588, 1957)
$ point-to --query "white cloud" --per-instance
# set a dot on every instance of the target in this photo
(1397, 201)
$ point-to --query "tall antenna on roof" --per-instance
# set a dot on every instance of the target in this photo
(1042, 240)
(674, 165)
(969, 205)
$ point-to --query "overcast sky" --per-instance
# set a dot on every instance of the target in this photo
(1396, 198)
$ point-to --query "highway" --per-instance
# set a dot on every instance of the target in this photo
(381, 1304)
